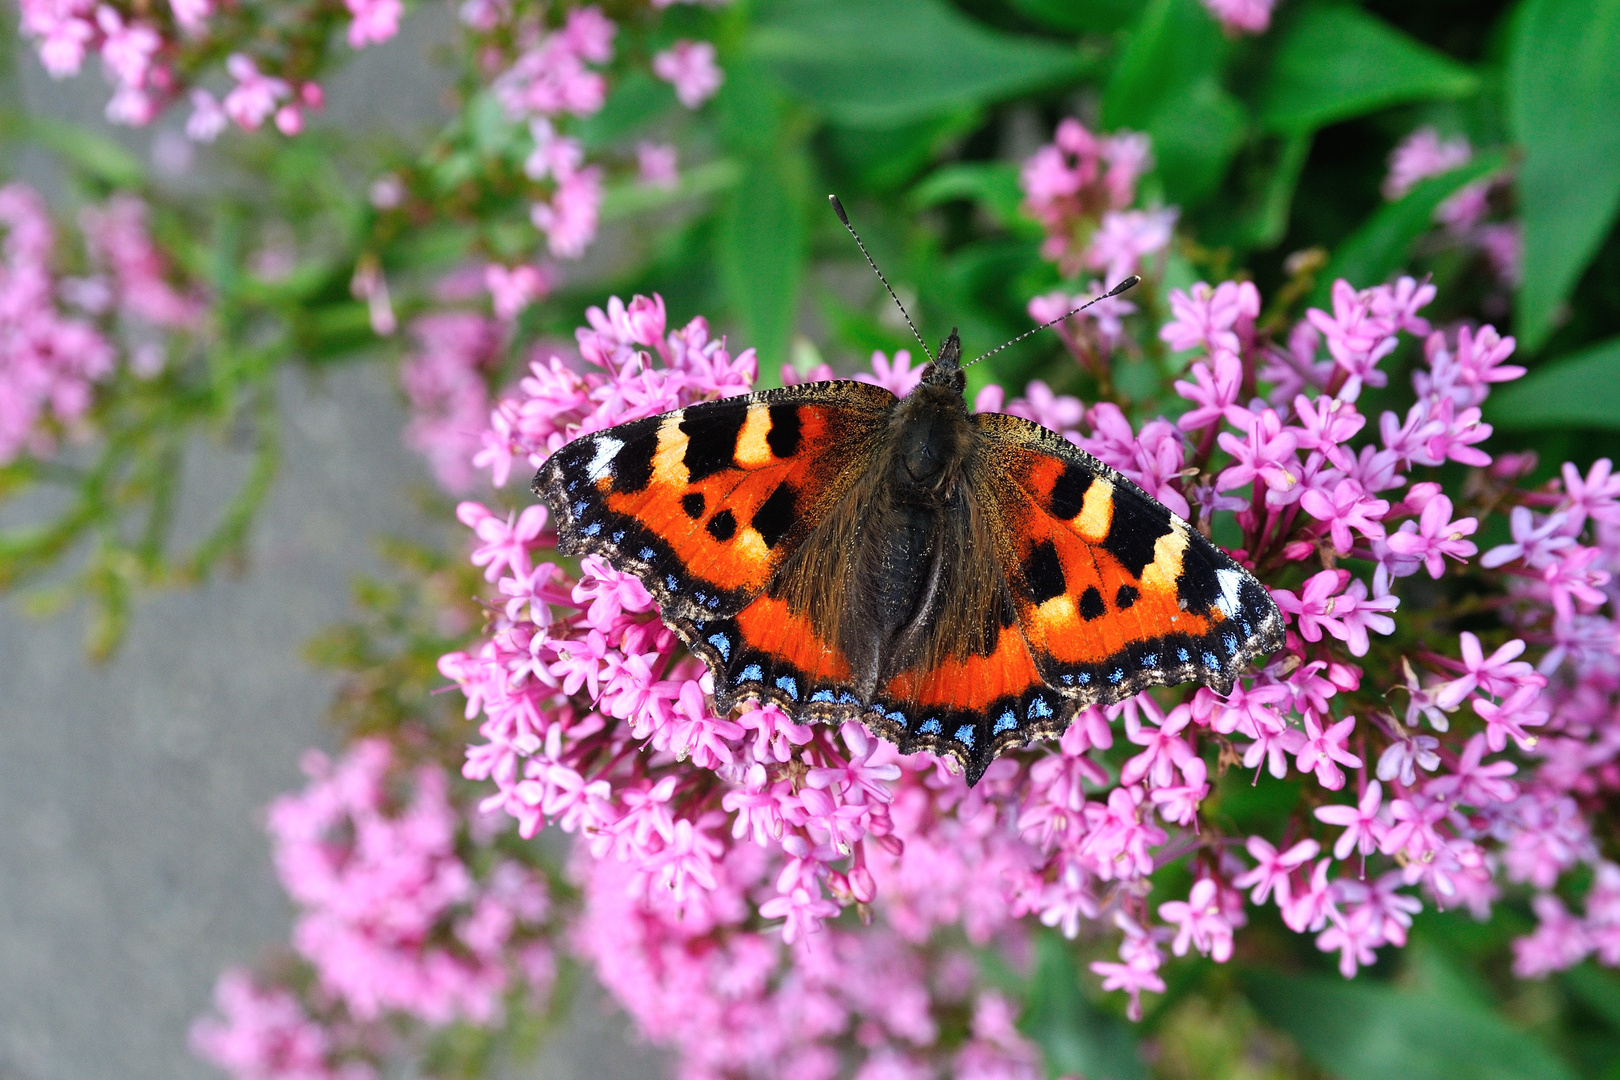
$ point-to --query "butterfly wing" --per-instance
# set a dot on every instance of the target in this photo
(1114, 593)
(704, 504)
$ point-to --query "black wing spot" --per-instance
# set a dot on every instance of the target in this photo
(1043, 573)
(783, 438)
(1198, 588)
(1069, 492)
(1125, 597)
(711, 435)
(1091, 604)
(692, 503)
(633, 465)
(1137, 526)
(723, 526)
(777, 514)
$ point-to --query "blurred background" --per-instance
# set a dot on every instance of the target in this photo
(234, 540)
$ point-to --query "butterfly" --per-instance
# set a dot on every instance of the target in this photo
(959, 582)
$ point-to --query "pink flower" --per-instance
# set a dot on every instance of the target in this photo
(1266, 456)
(1124, 238)
(689, 67)
(1272, 874)
(207, 118)
(1421, 155)
(256, 96)
(1200, 922)
(569, 220)
(1434, 536)
(375, 21)
(656, 163)
(1323, 748)
(512, 290)
(1206, 319)
(1349, 507)
(899, 377)
(1315, 604)
(1214, 391)
(1559, 941)
(1242, 16)
(1362, 828)
(1511, 717)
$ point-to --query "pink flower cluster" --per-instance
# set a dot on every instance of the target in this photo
(446, 381)
(393, 922)
(1423, 154)
(142, 50)
(1080, 187)
(49, 361)
(594, 719)
(552, 78)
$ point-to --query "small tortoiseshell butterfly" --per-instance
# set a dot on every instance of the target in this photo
(960, 582)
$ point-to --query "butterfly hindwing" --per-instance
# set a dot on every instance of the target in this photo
(704, 504)
(1114, 592)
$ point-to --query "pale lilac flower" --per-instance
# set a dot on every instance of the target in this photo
(1349, 507)
(656, 165)
(689, 67)
(1242, 16)
(1420, 155)
(1266, 456)
(207, 118)
(1405, 755)
(515, 288)
(1536, 543)
(1511, 717)
(1214, 391)
(898, 377)
(256, 96)
(1124, 238)
(1559, 941)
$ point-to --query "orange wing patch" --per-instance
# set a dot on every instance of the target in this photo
(705, 504)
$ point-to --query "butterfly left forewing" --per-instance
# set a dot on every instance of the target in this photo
(704, 504)
(1114, 592)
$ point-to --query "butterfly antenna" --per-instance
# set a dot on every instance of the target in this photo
(1129, 283)
(838, 208)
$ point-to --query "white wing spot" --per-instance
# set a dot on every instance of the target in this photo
(607, 448)
(1230, 582)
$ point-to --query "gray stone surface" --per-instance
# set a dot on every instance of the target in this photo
(133, 864)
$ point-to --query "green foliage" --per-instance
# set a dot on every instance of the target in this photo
(1364, 1030)
(1563, 98)
(1579, 391)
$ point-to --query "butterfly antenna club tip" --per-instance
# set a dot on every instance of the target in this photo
(1128, 283)
(838, 208)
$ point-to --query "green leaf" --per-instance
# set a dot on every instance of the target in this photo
(885, 62)
(99, 157)
(637, 100)
(1563, 103)
(1080, 16)
(763, 248)
(1366, 1031)
(881, 159)
(1379, 248)
(1167, 83)
(1074, 1037)
(1335, 61)
(992, 185)
(636, 197)
(1579, 391)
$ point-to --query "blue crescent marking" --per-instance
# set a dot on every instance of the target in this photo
(592, 529)
(671, 581)
(648, 553)
(1183, 655)
(722, 645)
(1116, 676)
(1210, 660)
(580, 508)
(751, 673)
(930, 726)
(1040, 708)
(1005, 722)
(1085, 678)
(822, 695)
(1150, 660)
(847, 698)
(1230, 642)
(789, 685)
(897, 716)
(964, 735)
(618, 536)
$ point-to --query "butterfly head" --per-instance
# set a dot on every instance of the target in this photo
(946, 370)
